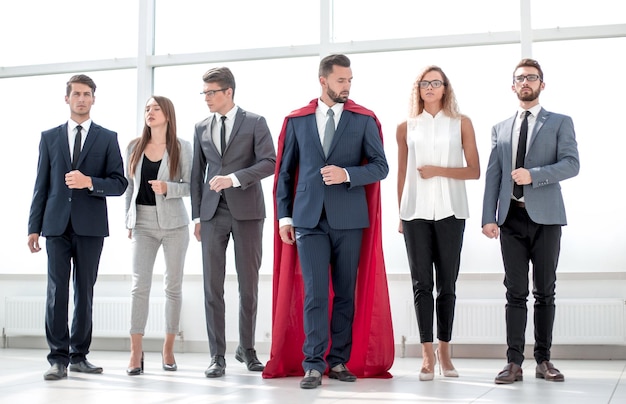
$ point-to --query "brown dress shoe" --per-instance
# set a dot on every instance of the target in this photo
(546, 370)
(511, 373)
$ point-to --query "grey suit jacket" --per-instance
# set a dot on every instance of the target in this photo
(249, 154)
(552, 156)
(171, 212)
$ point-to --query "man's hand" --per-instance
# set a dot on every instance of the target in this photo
(332, 175)
(521, 176)
(220, 182)
(33, 242)
(491, 230)
(196, 232)
(77, 180)
(287, 234)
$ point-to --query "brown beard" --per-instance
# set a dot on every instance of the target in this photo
(529, 97)
(336, 97)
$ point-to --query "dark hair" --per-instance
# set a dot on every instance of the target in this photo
(82, 79)
(326, 65)
(529, 63)
(172, 143)
(221, 75)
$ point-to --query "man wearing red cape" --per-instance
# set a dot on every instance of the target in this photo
(368, 350)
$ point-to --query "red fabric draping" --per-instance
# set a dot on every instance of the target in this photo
(372, 332)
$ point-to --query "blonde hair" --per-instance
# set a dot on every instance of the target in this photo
(448, 101)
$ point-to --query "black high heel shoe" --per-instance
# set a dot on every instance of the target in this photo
(136, 371)
(170, 367)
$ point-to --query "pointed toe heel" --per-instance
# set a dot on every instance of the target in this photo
(136, 371)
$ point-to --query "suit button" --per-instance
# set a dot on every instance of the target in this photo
(69, 199)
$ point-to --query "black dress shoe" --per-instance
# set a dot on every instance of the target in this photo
(217, 368)
(56, 372)
(341, 373)
(85, 367)
(249, 357)
(312, 379)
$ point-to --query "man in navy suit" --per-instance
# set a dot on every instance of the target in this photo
(80, 164)
(531, 153)
(329, 155)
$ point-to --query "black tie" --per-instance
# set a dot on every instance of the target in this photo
(76, 152)
(329, 132)
(518, 190)
(223, 135)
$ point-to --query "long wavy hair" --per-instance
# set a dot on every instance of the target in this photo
(172, 143)
(448, 101)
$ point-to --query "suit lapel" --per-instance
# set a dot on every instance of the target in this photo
(163, 174)
(65, 145)
(541, 119)
(509, 127)
(88, 143)
(344, 121)
(239, 118)
(311, 123)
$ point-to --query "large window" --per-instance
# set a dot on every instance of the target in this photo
(274, 47)
(192, 26)
(358, 20)
(40, 31)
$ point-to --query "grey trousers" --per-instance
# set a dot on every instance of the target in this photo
(147, 238)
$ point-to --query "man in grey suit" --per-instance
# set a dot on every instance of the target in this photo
(233, 152)
(531, 153)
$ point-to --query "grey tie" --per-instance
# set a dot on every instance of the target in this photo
(329, 131)
(76, 152)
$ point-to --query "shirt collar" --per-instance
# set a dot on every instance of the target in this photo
(533, 111)
(71, 125)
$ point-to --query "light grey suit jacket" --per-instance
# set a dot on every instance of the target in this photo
(171, 212)
(249, 155)
(552, 156)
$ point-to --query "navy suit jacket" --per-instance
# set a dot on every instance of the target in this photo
(357, 139)
(54, 203)
(552, 156)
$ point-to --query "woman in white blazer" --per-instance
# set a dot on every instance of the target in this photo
(158, 170)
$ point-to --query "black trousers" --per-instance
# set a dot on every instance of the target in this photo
(437, 244)
(523, 241)
(84, 252)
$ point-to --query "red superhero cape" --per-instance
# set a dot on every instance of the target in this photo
(372, 331)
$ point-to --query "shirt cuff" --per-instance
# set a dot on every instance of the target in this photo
(284, 221)
(233, 178)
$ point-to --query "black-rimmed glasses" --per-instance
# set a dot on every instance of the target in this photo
(529, 77)
(433, 83)
(211, 93)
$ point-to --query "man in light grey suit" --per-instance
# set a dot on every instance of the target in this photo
(233, 152)
(531, 153)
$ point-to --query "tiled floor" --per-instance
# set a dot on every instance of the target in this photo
(21, 381)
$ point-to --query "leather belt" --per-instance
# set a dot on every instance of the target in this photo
(519, 204)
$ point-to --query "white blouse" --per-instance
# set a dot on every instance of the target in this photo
(433, 141)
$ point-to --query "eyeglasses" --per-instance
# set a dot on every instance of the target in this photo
(433, 83)
(529, 77)
(211, 93)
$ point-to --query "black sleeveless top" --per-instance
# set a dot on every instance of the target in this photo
(149, 171)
